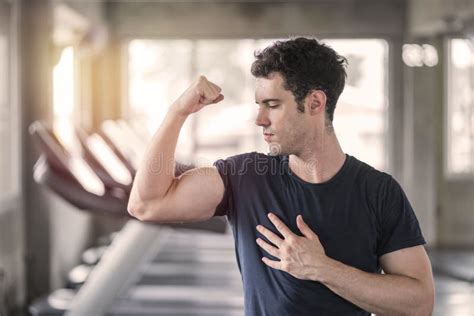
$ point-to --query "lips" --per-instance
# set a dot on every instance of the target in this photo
(267, 136)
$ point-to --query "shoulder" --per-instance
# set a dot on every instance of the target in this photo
(371, 177)
(246, 162)
(236, 160)
(254, 156)
(378, 186)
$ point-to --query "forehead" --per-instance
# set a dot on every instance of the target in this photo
(270, 87)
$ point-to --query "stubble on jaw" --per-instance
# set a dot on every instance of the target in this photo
(292, 145)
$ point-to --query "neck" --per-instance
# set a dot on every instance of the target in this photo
(320, 160)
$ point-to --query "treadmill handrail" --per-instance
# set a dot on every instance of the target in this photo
(60, 158)
(112, 273)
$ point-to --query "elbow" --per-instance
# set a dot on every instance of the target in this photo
(424, 307)
(427, 304)
(140, 209)
(140, 205)
(429, 298)
(136, 208)
(420, 303)
(147, 210)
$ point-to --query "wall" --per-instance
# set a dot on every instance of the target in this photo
(416, 158)
(257, 20)
(385, 19)
(454, 198)
(55, 232)
(423, 107)
(35, 19)
(431, 17)
(12, 273)
(12, 268)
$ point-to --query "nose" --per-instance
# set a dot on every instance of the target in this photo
(262, 118)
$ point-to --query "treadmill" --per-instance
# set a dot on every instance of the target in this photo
(148, 269)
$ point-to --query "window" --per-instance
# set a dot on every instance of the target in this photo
(159, 70)
(361, 117)
(63, 114)
(460, 108)
(63, 95)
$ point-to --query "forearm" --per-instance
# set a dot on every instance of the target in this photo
(156, 172)
(379, 294)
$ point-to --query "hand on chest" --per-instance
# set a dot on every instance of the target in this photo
(346, 234)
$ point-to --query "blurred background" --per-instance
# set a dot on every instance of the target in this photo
(83, 85)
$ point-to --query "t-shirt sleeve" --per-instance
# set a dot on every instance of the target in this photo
(225, 168)
(399, 225)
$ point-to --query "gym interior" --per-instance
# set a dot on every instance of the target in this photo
(84, 85)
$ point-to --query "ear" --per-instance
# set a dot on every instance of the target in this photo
(316, 101)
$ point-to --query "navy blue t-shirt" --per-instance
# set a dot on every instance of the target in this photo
(359, 215)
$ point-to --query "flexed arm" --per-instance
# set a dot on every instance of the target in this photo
(157, 195)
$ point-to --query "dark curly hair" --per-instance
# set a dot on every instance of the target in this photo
(305, 64)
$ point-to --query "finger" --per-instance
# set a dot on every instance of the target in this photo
(213, 91)
(304, 228)
(219, 98)
(272, 263)
(268, 248)
(202, 78)
(210, 95)
(210, 98)
(216, 87)
(282, 228)
(205, 101)
(203, 93)
(271, 236)
(207, 93)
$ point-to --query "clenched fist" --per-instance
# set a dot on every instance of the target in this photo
(201, 93)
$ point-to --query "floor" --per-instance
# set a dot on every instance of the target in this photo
(454, 281)
(197, 264)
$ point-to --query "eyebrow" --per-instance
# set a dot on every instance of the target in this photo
(266, 101)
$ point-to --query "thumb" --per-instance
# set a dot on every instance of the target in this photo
(218, 99)
(304, 228)
(207, 99)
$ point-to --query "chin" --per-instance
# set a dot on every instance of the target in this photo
(276, 149)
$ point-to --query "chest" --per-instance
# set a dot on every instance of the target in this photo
(342, 219)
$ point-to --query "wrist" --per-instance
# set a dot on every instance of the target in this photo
(323, 272)
(175, 113)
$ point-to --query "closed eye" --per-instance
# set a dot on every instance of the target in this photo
(270, 103)
(269, 106)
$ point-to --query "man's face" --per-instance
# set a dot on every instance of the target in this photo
(284, 127)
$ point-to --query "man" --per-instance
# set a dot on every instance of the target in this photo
(313, 227)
